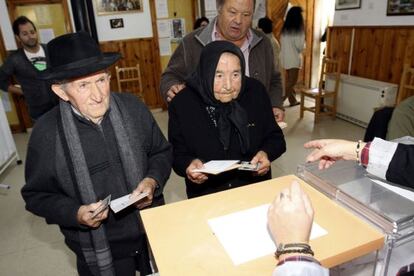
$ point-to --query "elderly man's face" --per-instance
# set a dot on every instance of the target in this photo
(235, 19)
(89, 95)
(228, 77)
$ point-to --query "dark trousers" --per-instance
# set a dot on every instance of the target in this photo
(291, 76)
(123, 267)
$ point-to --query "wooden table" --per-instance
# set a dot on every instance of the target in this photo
(183, 243)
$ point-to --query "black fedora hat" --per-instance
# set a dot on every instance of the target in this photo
(75, 55)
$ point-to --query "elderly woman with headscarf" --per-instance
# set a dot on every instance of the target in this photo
(222, 115)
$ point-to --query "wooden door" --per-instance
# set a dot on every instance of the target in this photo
(276, 11)
(51, 17)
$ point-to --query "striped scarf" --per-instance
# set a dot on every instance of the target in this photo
(94, 243)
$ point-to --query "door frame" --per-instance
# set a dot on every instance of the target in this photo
(11, 6)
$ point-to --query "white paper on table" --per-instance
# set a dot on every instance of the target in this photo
(125, 201)
(165, 46)
(244, 234)
(161, 8)
(217, 166)
(402, 192)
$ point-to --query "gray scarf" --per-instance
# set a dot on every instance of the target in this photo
(94, 243)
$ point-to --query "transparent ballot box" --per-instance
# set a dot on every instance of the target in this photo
(387, 207)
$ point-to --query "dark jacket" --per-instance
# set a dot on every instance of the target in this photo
(401, 167)
(193, 135)
(50, 192)
(39, 96)
(185, 59)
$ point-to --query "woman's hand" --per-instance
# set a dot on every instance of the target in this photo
(263, 162)
(328, 151)
(290, 216)
(196, 177)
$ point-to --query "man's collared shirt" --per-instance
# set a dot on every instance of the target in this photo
(245, 48)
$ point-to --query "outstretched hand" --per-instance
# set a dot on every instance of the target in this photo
(328, 151)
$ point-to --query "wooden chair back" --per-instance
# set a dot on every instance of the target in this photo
(129, 80)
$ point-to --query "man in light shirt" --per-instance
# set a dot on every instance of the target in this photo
(233, 23)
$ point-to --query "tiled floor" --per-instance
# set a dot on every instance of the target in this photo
(28, 246)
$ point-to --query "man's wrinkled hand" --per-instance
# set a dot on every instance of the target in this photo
(85, 215)
(174, 90)
(147, 185)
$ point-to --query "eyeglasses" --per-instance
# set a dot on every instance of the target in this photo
(86, 86)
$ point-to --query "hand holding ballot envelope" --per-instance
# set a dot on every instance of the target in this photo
(198, 172)
(146, 186)
(93, 214)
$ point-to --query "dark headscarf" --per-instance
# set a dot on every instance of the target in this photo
(224, 115)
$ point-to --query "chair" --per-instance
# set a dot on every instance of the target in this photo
(129, 80)
(406, 88)
(330, 68)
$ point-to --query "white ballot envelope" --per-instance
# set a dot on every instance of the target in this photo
(125, 201)
(218, 166)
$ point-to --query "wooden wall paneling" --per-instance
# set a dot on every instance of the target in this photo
(400, 47)
(386, 59)
(339, 46)
(140, 51)
(362, 40)
(379, 52)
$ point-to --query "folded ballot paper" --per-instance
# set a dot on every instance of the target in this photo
(219, 166)
(125, 201)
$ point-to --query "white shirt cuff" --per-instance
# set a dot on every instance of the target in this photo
(380, 156)
(300, 269)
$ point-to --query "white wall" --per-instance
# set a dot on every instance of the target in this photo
(6, 28)
(136, 25)
(371, 13)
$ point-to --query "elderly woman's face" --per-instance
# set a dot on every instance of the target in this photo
(227, 80)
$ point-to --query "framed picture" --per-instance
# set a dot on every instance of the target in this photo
(347, 4)
(400, 7)
(104, 7)
(116, 23)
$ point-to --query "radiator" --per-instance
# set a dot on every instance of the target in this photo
(359, 97)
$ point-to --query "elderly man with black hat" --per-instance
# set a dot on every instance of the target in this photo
(94, 144)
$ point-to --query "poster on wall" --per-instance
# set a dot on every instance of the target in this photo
(165, 46)
(177, 29)
(161, 8)
(400, 7)
(164, 28)
(105, 7)
(347, 4)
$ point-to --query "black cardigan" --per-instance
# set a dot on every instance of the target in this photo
(193, 135)
(401, 167)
